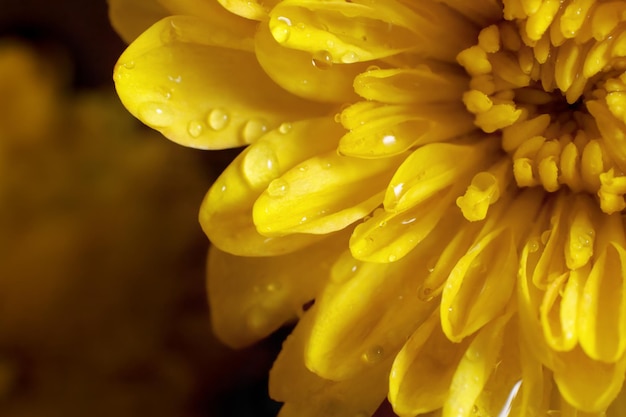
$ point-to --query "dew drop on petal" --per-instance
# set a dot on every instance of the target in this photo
(425, 294)
(281, 31)
(129, 65)
(278, 188)
(389, 140)
(253, 129)
(373, 354)
(155, 114)
(218, 119)
(533, 245)
(322, 60)
(350, 58)
(285, 128)
(195, 128)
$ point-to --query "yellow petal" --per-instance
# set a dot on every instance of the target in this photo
(308, 395)
(475, 293)
(432, 168)
(559, 310)
(130, 18)
(173, 79)
(587, 384)
(424, 84)
(252, 297)
(250, 9)
(387, 237)
(226, 211)
(360, 319)
(378, 130)
(422, 371)
(474, 369)
(603, 306)
(480, 285)
(323, 194)
(314, 78)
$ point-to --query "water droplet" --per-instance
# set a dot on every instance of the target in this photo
(408, 221)
(545, 236)
(129, 65)
(425, 293)
(372, 68)
(373, 354)
(322, 60)
(285, 128)
(338, 117)
(195, 128)
(473, 355)
(303, 168)
(281, 33)
(253, 129)
(392, 258)
(260, 165)
(175, 78)
(218, 119)
(278, 188)
(350, 58)
(303, 219)
(273, 287)
(533, 245)
(155, 114)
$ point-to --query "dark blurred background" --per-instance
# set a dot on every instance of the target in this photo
(102, 299)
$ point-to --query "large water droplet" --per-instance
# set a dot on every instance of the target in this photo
(260, 165)
(253, 129)
(195, 128)
(218, 119)
(278, 188)
(322, 60)
(281, 31)
(425, 293)
(285, 128)
(373, 354)
(155, 114)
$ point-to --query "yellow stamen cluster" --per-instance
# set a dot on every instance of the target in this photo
(550, 79)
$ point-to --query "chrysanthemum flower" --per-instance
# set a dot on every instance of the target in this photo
(434, 188)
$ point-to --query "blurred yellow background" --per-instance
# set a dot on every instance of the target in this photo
(102, 300)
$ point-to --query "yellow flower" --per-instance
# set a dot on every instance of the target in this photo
(434, 188)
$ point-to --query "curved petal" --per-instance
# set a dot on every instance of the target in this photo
(199, 85)
(226, 211)
(475, 369)
(422, 371)
(250, 9)
(379, 130)
(387, 237)
(587, 384)
(358, 31)
(313, 78)
(130, 18)
(308, 395)
(252, 297)
(602, 323)
(323, 194)
(361, 317)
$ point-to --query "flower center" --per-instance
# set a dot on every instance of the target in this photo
(551, 82)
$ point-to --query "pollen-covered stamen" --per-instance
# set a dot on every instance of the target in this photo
(551, 80)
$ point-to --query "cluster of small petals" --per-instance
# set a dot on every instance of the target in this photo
(457, 227)
(522, 66)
